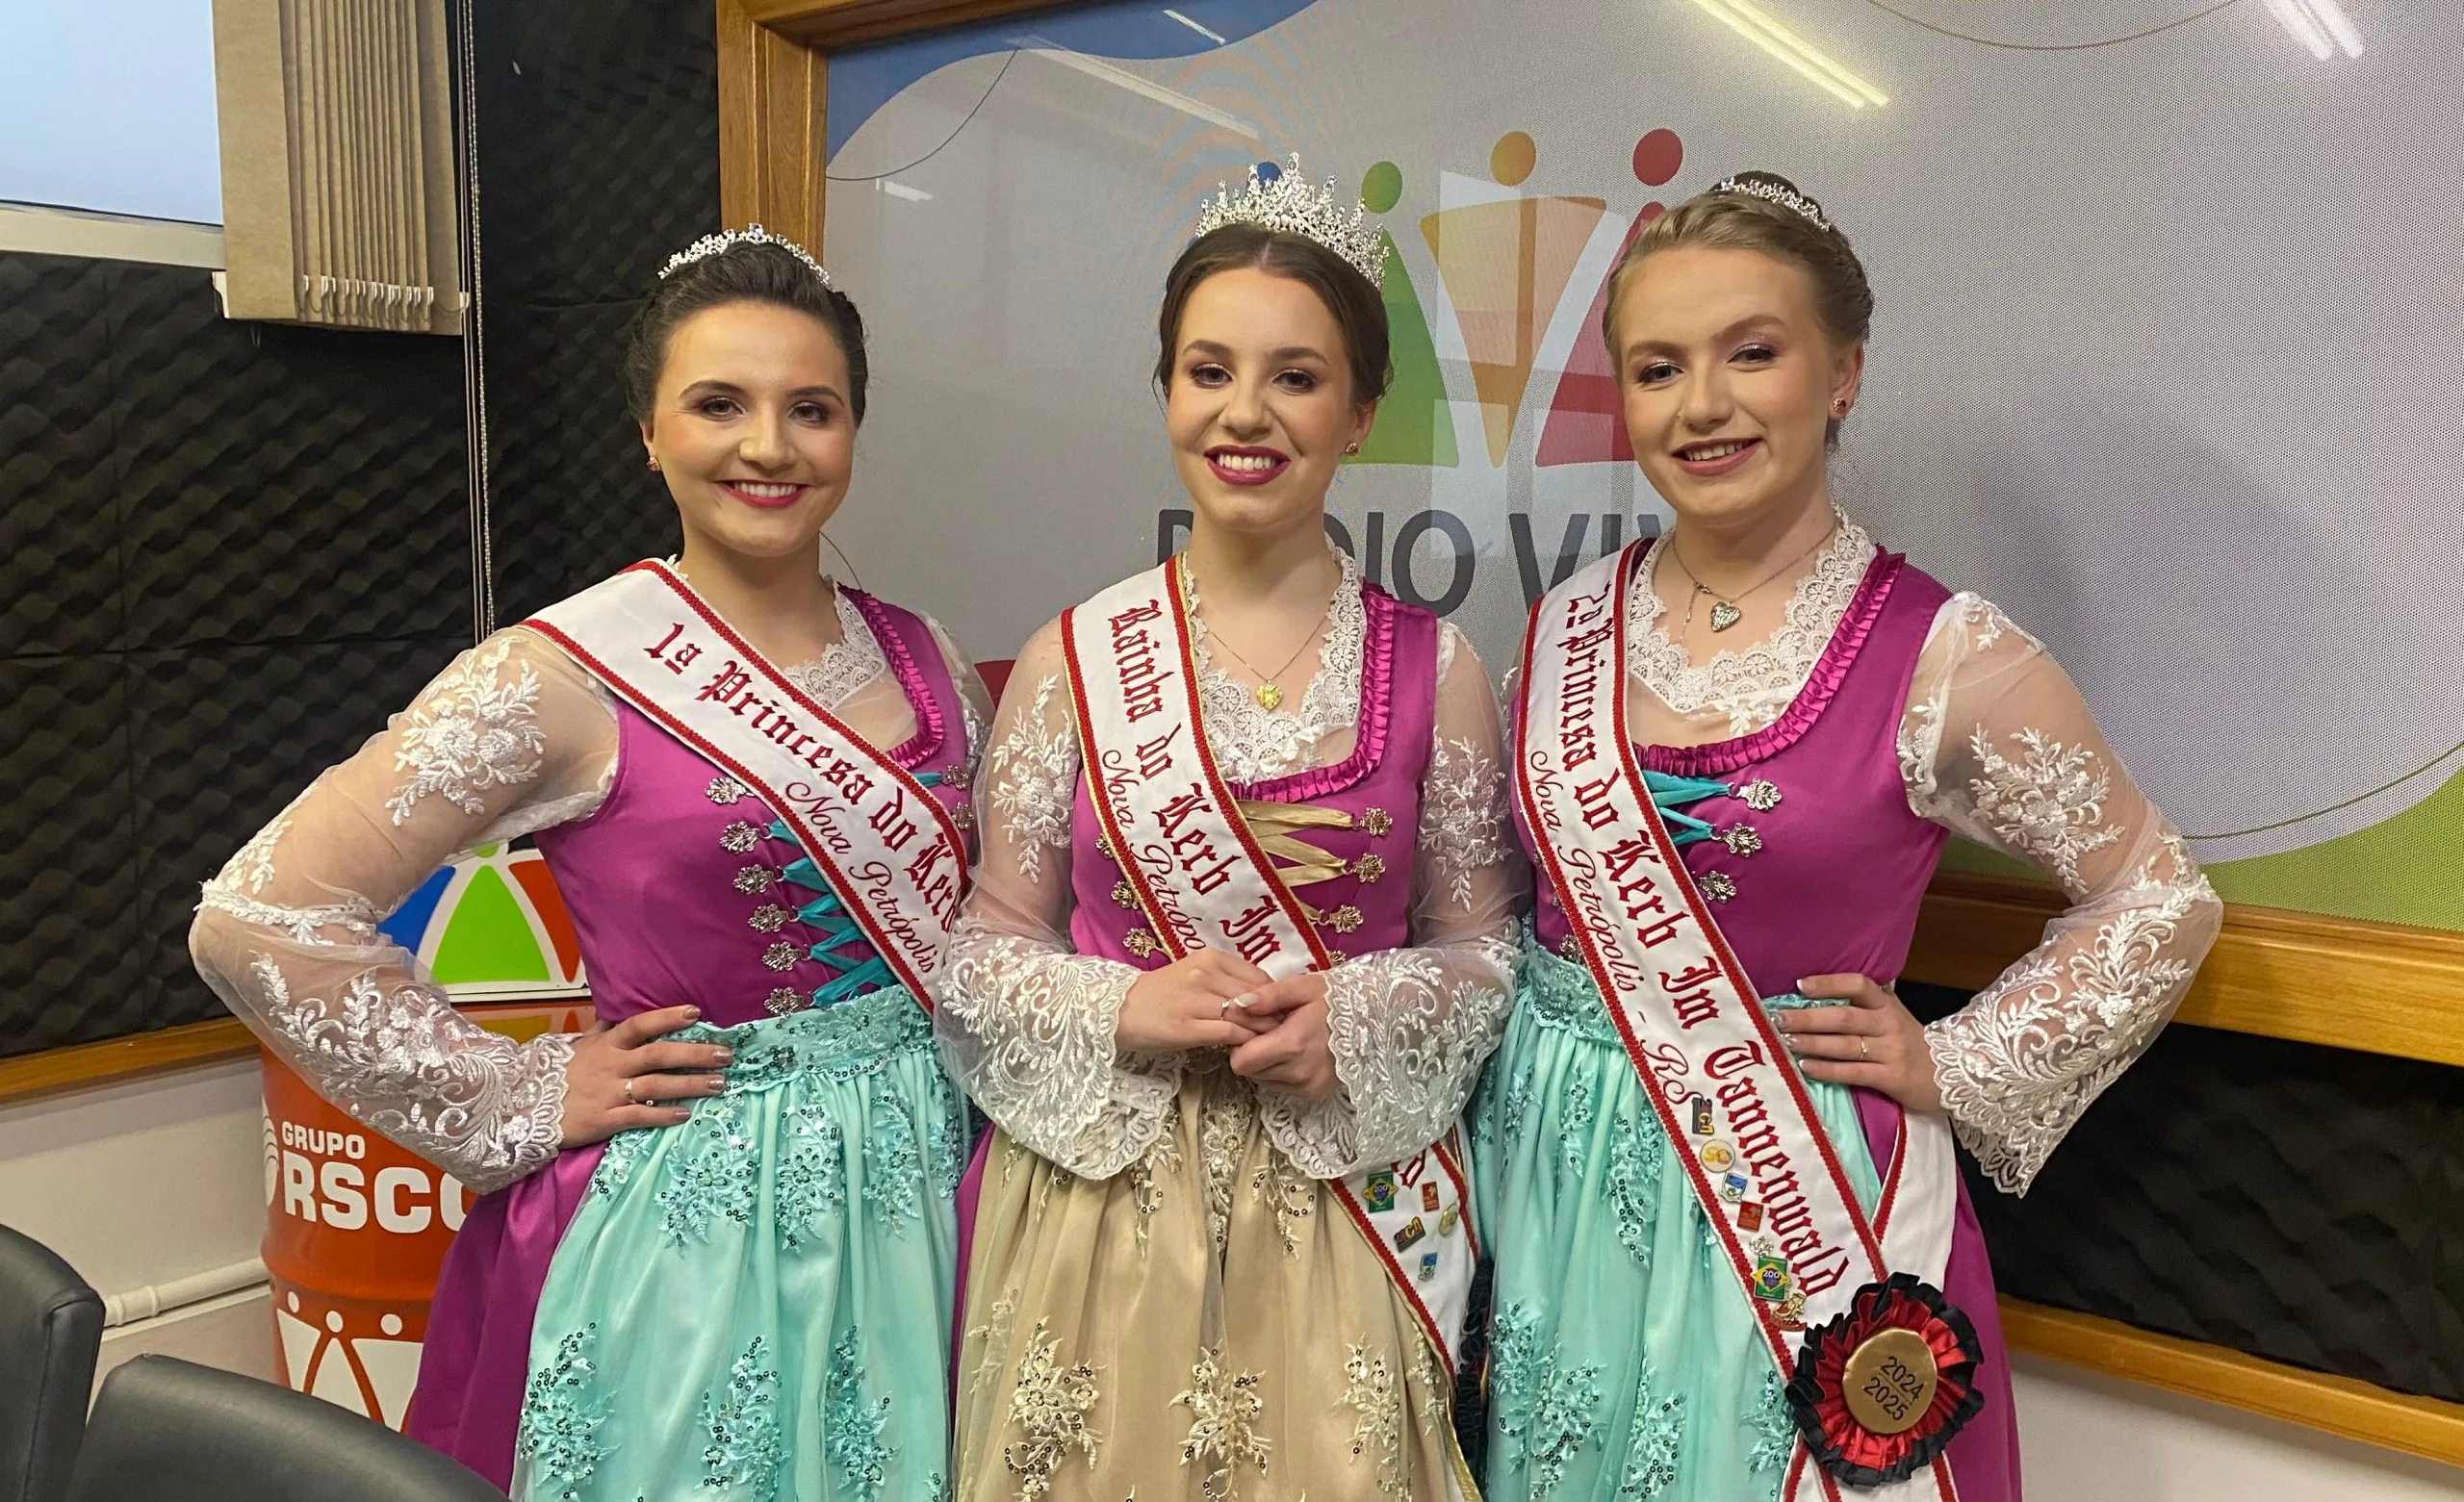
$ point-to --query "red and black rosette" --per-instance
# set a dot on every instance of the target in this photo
(1869, 1410)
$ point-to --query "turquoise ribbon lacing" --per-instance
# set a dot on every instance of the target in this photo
(838, 927)
(1671, 795)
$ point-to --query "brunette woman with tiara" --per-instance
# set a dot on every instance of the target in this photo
(1238, 943)
(715, 1244)
(1734, 1259)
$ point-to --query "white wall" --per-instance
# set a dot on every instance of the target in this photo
(2087, 1437)
(145, 1183)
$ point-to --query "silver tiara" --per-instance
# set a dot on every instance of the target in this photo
(1289, 203)
(709, 245)
(1794, 202)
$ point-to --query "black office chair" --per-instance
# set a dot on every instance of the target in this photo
(170, 1431)
(51, 1328)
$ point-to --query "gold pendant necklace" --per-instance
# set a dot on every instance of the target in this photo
(1724, 607)
(1269, 697)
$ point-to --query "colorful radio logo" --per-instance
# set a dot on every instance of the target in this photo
(1506, 262)
(356, 1227)
(492, 926)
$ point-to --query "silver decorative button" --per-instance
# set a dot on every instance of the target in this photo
(1761, 795)
(738, 837)
(781, 955)
(752, 879)
(785, 999)
(768, 918)
(1718, 886)
(1741, 839)
(724, 790)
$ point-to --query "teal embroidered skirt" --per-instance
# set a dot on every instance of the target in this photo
(1624, 1363)
(757, 1303)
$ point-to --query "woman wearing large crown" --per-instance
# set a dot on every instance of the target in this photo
(716, 1251)
(1722, 1275)
(1238, 946)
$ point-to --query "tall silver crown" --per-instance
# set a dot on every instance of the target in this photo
(1772, 192)
(709, 245)
(1289, 202)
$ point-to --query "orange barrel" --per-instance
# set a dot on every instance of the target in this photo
(356, 1228)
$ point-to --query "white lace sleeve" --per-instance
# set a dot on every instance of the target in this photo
(1025, 1023)
(511, 737)
(1412, 1027)
(1997, 745)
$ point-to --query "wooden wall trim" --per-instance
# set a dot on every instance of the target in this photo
(115, 1059)
(774, 81)
(830, 24)
(2314, 1400)
(2378, 987)
(773, 93)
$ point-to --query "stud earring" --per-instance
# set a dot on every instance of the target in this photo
(1352, 449)
(653, 462)
(1839, 409)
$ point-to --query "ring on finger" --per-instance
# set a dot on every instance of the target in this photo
(1865, 1051)
(630, 1098)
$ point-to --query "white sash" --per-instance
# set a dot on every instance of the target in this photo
(1691, 1021)
(887, 848)
(1204, 883)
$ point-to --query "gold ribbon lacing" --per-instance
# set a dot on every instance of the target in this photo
(1308, 864)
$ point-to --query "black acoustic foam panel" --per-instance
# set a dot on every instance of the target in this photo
(598, 152)
(2298, 1202)
(284, 484)
(227, 551)
(69, 970)
(58, 557)
(222, 737)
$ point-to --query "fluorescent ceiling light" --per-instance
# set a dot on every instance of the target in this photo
(1195, 27)
(2332, 15)
(902, 191)
(2320, 25)
(1122, 78)
(2305, 31)
(1765, 30)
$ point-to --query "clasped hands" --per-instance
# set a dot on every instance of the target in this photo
(1276, 1029)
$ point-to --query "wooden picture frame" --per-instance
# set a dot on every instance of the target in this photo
(2339, 983)
(774, 95)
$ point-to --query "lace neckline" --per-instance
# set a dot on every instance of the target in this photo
(1254, 744)
(847, 666)
(1751, 685)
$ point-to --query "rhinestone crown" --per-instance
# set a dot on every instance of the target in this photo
(1291, 203)
(1795, 203)
(709, 245)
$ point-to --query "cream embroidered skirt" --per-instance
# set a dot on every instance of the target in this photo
(1207, 1324)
